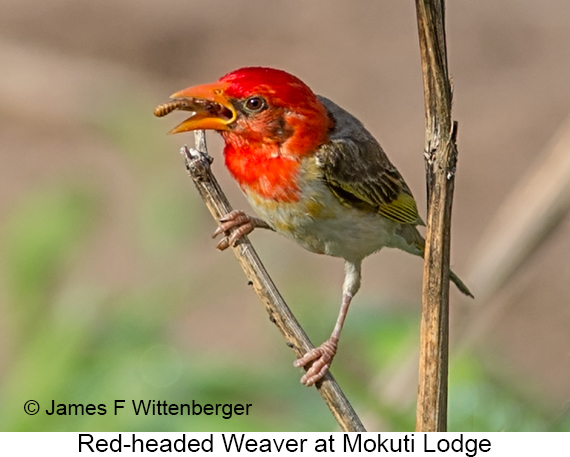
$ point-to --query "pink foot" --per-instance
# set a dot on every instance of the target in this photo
(321, 357)
(241, 223)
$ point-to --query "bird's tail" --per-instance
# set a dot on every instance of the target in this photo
(460, 284)
(415, 244)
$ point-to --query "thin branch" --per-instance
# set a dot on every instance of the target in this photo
(198, 166)
(441, 155)
(535, 207)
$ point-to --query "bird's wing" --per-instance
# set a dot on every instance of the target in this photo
(359, 173)
(361, 176)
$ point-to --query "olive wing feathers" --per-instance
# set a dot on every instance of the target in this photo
(359, 173)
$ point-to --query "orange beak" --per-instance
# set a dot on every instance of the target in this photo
(211, 109)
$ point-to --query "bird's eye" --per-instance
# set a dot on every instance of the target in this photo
(254, 104)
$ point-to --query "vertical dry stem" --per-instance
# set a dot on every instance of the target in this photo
(440, 155)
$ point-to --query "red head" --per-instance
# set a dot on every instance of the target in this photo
(268, 118)
(259, 107)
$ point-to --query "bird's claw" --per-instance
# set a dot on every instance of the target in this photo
(321, 358)
(240, 222)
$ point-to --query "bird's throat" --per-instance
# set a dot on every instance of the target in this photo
(264, 172)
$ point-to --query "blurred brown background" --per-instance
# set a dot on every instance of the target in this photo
(78, 84)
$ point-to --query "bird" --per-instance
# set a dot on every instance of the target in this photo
(311, 171)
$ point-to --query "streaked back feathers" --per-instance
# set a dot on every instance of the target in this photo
(360, 174)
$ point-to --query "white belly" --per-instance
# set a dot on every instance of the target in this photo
(321, 224)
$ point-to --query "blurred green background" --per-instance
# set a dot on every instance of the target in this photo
(110, 286)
